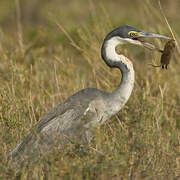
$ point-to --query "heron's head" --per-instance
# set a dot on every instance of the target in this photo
(128, 34)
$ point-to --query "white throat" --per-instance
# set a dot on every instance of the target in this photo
(120, 96)
(111, 44)
(112, 58)
(110, 48)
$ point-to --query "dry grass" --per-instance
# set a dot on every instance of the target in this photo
(42, 64)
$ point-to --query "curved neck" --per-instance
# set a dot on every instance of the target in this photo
(119, 96)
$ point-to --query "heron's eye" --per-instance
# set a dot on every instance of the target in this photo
(133, 34)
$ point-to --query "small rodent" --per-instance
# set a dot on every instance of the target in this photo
(166, 54)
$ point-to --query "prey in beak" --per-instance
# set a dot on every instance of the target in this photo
(137, 37)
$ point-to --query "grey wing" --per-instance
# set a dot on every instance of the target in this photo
(44, 135)
(68, 122)
(64, 124)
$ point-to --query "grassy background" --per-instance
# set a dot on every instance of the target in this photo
(51, 49)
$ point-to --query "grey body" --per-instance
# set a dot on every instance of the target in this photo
(74, 119)
(68, 122)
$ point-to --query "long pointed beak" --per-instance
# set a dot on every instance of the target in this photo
(152, 35)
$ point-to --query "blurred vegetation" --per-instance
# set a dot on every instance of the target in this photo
(51, 49)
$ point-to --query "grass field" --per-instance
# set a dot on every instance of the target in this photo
(51, 49)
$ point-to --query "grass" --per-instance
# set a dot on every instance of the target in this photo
(57, 53)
